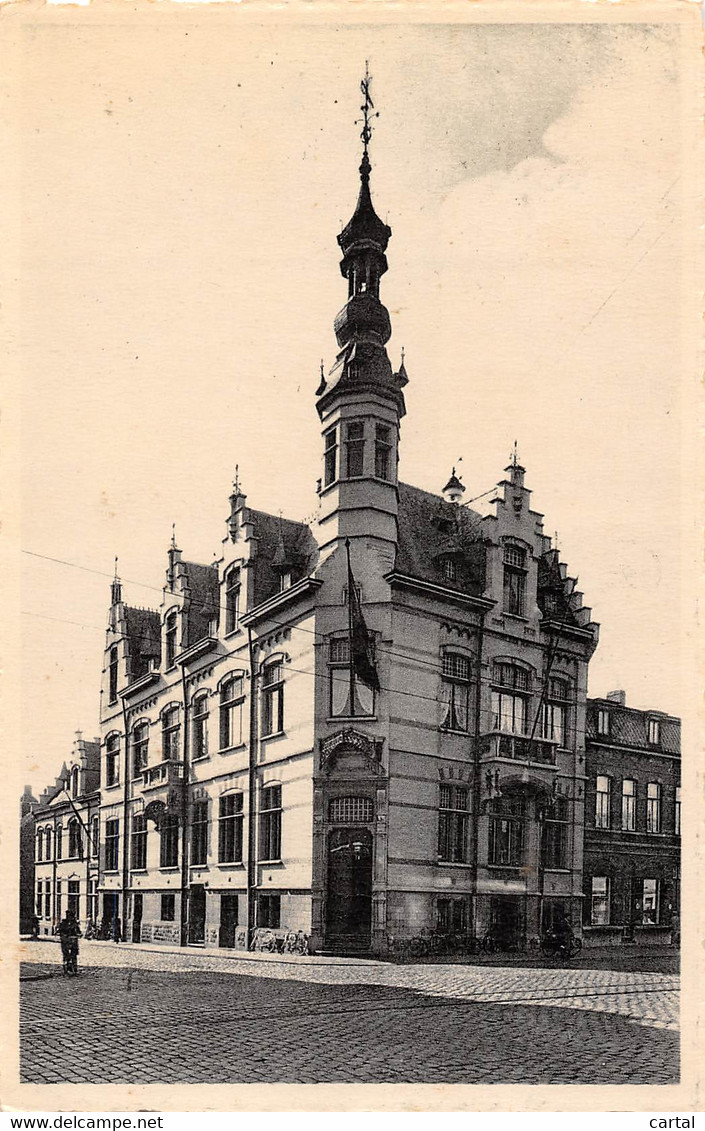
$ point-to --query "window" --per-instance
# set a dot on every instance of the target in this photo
(273, 698)
(40, 844)
(40, 899)
(200, 726)
(629, 805)
(199, 833)
(453, 824)
(514, 580)
(270, 823)
(330, 458)
(169, 842)
(677, 814)
(230, 822)
(383, 450)
(140, 748)
(455, 691)
(602, 802)
(93, 900)
(507, 830)
(75, 839)
(74, 781)
(170, 734)
(168, 908)
(339, 682)
(654, 732)
(74, 896)
(554, 711)
(47, 899)
(170, 625)
(58, 905)
(138, 846)
(451, 916)
(510, 698)
(354, 449)
(554, 835)
(232, 698)
(47, 845)
(112, 844)
(351, 810)
(232, 600)
(112, 760)
(95, 836)
(268, 910)
(603, 721)
(653, 807)
(58, 842)
(450, 571)
(650, 902)
(113, 674)
(600, 901)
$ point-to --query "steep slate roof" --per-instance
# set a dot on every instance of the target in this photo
(629, 727)
(143, 639)
(205, 595)
(430, 530)
(283, 546)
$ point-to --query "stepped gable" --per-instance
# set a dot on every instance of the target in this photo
(283, 546)
(554, 590)
(204, 587)
(629, 726)
(143, 629)
(432, 530)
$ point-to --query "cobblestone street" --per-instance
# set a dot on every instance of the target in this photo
(151, 1016)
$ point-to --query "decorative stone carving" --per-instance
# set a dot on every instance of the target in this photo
(352, 740)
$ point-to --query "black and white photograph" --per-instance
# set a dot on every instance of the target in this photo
(358, 496)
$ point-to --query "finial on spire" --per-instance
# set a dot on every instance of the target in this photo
(173, 536)
(115, 574)
(366, 132)
(236, 480)
(515, 455)
(115, 587)
(555, 540)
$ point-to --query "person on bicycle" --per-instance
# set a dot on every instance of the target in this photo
(562, 930)
(69, 934)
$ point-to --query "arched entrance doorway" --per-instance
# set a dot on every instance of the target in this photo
(349, 889)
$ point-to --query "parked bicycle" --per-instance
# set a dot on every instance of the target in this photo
(561, 946)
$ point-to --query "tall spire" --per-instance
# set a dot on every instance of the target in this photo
(115, 587)
(363, 327)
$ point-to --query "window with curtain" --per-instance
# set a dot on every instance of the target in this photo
(455, 691)
(555, 711)
(602, 802)
(629, 805)
(339, 683)
(453, 824)
(199, 727)
(273, 698)
(171, 727)
(600, 901)
(653, 807)
(510, 698)
(112, 760)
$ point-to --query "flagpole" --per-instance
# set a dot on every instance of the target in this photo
(351, 658)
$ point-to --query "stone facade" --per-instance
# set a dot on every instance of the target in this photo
(632, 823)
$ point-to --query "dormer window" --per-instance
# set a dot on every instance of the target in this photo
(170, 639)
(514, 580)
(232, 600)
(654, 732)
(603, 721)
(354, 449)
(450, 570)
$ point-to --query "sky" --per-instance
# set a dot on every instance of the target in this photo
(181, 196)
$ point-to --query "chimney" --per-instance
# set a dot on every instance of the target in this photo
(619, 697)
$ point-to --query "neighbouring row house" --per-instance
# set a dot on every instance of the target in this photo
(255, 772)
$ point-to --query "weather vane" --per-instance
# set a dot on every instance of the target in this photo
(367, 105)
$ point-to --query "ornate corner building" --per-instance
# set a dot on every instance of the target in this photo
(252, 777)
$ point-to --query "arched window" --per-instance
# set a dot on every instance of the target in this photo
(40, 844)
(140, 747)
(170, 627)
(510, 698)
(112, 759)
(273, 698)
(75, 839)
(59, 842)
(47, 846)
(232, 698)
(514, 580)
(200, 725)
(455, 691)
(453, 823)
(171, 727)
(232, 600)
(95, 835)
(113, 674)
(74, 781)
